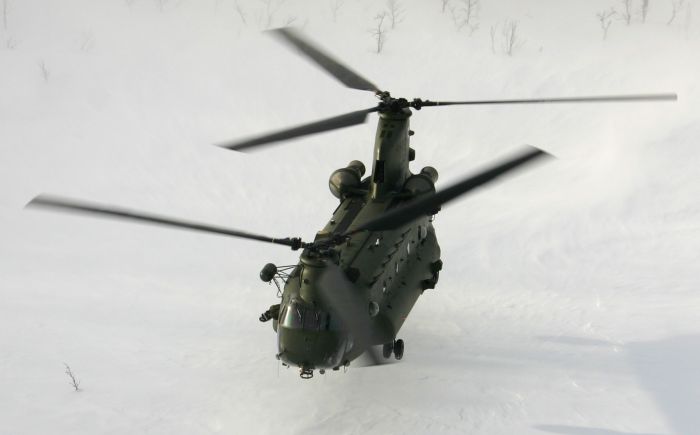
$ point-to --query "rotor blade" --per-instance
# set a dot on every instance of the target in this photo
(592, 99)
(341, 299)
(342, 302)
(71, 205)
(346, 76)
(372, 357)
(340, 121)
(431, 203)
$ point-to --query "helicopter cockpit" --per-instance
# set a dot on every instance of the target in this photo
(298, 315)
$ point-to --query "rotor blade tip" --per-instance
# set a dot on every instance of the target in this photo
(540, 152)
(32, 202)
(229, 147)
(38, 200)
(285, 33)
(286, 29)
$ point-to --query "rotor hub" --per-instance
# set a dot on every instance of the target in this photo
(390, 104)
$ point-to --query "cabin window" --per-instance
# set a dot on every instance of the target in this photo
(408, 248)
(376, 242)
(396, 269)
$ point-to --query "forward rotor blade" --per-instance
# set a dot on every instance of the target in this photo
(346, 76)
(431, 203)
(343, 302)
(336, 122)
(371, 357)
(71, 205)
(341, 299)
(592, 99)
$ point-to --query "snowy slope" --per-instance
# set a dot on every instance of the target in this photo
(570, 299)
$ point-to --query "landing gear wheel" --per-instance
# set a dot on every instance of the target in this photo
(398, 349)
(387, 350)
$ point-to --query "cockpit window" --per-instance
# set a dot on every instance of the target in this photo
(299, 316)
(315, 320)
(293, 316)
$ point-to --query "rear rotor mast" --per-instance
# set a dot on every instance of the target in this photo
(391, 147)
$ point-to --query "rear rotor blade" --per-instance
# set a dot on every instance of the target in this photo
(336, 122)
(72, 205)
(346, 76)
(431, 203)
(591, 99)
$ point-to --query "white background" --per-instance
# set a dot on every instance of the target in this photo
(569, 300)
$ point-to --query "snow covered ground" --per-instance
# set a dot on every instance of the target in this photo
(569, 301)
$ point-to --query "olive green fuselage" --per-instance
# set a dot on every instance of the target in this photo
(387, 270)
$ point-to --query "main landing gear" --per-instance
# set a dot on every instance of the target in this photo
(395, 348)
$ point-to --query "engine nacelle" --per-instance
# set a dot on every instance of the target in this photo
(431, 173)
(346, 180)
(424, 182)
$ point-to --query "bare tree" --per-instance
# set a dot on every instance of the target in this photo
(271, 8)
(626, 13)
(87, 42)
(74, 382)
(5, 11)
(676, 6)
(605, 18)
(455, 17)
(396, 11)
(378, 32)
(336, 5)
(11, 43)
(45, 74)
(645, 10)
(241, 13)
(511, 39)
(493, 39)
(444, 5)
(164, 4)
(464, 14)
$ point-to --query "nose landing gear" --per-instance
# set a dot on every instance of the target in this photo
(395, 348)
(306, 373)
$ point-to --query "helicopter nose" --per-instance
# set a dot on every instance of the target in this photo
(310, 349)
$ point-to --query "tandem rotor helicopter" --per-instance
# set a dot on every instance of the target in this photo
(358, 280)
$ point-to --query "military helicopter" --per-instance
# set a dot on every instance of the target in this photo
(357, 281)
